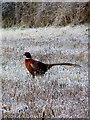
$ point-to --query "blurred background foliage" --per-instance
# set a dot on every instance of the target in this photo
(41, 14)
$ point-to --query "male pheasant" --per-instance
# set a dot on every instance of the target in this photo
(39, 68)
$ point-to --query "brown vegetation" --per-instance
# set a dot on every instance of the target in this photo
(31, 14)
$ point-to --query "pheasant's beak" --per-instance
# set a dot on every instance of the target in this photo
(24, 54)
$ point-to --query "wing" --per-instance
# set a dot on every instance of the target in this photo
(39, 67)
(35, 66)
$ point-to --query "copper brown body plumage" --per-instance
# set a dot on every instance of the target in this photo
(38, 68)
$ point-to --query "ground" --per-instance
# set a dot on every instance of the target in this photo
(63, 90)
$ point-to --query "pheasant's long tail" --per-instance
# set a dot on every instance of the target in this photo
(68, 64)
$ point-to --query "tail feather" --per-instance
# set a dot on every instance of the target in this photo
(68, 64)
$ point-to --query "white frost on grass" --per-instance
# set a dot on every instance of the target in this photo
(42, 41)
(50, 45)
(34, 42)
(69, 31)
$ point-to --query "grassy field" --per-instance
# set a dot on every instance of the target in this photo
(62, 91)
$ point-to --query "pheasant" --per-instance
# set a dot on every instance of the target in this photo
(39, 68)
